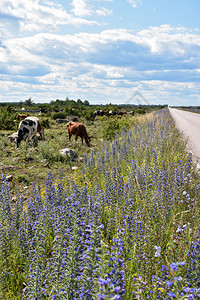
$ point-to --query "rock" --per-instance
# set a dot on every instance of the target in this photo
(60, 121)
(81, 159)
(13, 136)
(14, 199)
(6, 167)
(74, 168)
(9, 177)
(69, 152)
(44, 161)
(74, 119)
(31, 167)
(16, 159)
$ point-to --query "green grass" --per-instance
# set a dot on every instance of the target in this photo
(30, 162)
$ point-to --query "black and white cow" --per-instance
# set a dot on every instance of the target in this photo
(28, 128)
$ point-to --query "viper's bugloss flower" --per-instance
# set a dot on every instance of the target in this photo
(173, 266)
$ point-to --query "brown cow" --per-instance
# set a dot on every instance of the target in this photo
(121, 113)
(20, 117)
(78, 129)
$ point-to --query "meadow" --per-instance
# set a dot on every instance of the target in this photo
(124, 225)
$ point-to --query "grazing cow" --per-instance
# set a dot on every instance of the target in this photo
(121, 113)
(112, 113)
(27, 128)
(101, 113)
(78, 129)
(20, 117)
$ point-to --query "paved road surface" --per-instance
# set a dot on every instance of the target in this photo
(189, 124)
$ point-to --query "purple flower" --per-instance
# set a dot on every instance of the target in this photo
(117, 297)
(158, 250)
(103, 281)
(169, 283)
(171, 295)
(179, 278)
(180, 263)
(173, 266)
(117, 289)
(101, 296)
(179, 230)
(187, 290)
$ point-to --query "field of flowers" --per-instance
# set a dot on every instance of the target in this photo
(126, 226)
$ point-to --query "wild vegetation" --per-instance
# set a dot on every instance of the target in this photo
(125, 225)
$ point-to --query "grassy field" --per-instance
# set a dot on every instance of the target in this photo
(30, 162)
(124, 225)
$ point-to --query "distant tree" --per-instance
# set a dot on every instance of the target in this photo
(79, 102)
(86, 102)
(28, 102)
(9, 108)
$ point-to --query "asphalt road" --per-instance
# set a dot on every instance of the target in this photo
(189, 124)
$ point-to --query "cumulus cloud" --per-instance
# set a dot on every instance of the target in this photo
(27, 16)
(161, 60)
(104, 11)
(81, 8)
(135, 3)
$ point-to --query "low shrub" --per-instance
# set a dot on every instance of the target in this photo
(59, 115)
(115, 124)
(7, 120)
(45, 123)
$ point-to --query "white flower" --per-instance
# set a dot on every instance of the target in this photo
(158, 250)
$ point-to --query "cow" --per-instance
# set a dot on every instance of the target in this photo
(78, 129)
(101, 113)
(20, 117)
(121, 113)
(27, 128)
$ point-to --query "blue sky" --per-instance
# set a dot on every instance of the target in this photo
(103, 51)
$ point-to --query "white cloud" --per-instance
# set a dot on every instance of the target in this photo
(81, 8)
(163, 61)
(135, 3)
(27, 16)
(104, 11)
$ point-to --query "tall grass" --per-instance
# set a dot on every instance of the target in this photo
(125, 227)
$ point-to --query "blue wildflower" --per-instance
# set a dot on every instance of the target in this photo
(101, 296)
(169, 283)
(173, 266)
(158, 250)
(171, 295)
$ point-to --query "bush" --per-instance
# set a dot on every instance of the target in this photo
(110, 129)
(114, 125)
(51, 155)
(45, 123)
(7, 118)
(59, 115)
(89, 115)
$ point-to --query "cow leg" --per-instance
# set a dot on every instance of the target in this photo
(87, 142)
(29, 135)
(41, 132)
(70, 136)
(34, 138)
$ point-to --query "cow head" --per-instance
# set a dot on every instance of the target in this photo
(69, 124)
(18, 141)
